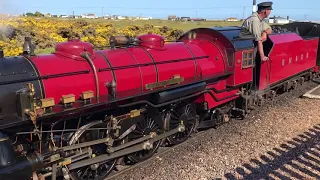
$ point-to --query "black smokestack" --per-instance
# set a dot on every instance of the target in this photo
(28, 47)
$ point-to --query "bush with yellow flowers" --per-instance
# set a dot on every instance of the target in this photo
(47, 32)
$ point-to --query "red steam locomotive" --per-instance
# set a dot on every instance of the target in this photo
(77, 112)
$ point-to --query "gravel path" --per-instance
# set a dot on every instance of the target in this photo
(278, 142)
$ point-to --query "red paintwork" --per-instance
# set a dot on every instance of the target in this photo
(217, 67)
(137, 66)
(56, 87)
(152, 41)
(289, 56)
(221, 97)
(73, 48)
(212, 66)
(215, 45)
(241, 75)
(315, 69)
(130, 80)
(220, 42)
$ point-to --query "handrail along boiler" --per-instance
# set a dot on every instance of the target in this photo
(79, 112)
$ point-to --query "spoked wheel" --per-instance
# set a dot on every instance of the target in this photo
(186, 114)
(143, 128)
(97, 171)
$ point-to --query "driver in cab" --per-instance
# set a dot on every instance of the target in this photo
(256, 25)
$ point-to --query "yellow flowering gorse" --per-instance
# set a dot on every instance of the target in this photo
(46, 32)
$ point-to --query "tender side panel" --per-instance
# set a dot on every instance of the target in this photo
(311, 49)
(15, 72)
(289, 56)
(128, 76)
(64, 76)
(305, 29)
(147, 66)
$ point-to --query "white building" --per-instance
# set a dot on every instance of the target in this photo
(231, 19)
(89, 16)
(121, 17)
(145, 18)
(278, 20)
(64, 16)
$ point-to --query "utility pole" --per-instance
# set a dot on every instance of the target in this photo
(305, 17)
(102, 12)
(254, 7)
(244, 9)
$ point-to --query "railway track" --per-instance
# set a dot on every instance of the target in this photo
(162, 151)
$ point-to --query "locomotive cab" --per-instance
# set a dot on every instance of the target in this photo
(242, 45)
(237, 46)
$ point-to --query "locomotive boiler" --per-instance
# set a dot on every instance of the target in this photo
(79, 112)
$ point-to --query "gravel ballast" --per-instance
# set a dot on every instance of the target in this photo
(276, 142)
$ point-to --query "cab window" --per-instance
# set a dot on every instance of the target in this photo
(247, 59)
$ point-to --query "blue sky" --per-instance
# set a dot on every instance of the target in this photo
(210, 9)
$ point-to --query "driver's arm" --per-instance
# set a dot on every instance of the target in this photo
(267, 28)
(266, 31)
(256, 31)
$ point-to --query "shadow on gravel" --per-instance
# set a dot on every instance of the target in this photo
(299, 158)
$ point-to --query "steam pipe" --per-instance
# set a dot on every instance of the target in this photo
(86, 56)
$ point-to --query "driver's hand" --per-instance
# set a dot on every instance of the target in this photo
(265, 58)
